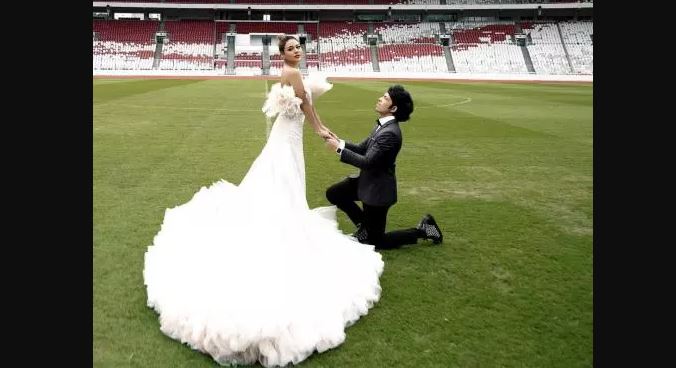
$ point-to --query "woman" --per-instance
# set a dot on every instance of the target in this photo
(250, 273)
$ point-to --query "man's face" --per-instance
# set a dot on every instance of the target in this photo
(384, 103)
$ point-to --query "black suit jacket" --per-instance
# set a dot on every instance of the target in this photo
(375, 157)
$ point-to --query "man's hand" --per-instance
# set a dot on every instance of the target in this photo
(326, 133)
(332, 143)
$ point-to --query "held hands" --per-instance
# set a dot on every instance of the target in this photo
(331, 139)
(326, 134)
(332, 143)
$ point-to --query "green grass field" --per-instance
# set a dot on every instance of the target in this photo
(506, 169)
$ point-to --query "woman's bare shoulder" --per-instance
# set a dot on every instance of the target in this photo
(288, 74)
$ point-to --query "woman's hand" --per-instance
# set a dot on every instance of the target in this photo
(326, 134)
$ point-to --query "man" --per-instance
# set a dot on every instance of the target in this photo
(376, 184)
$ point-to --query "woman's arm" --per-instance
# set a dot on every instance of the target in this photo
(326, 130)
(294, 78)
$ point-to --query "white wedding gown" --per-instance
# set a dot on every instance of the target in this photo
(249, 273)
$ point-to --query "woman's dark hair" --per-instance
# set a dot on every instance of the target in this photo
(283, 39)
(402, 100)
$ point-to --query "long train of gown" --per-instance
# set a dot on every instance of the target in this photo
(250, 273)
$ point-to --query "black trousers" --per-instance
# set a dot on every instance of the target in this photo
(373, 218)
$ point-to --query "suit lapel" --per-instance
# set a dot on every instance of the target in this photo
(386, 124)
(374, 133)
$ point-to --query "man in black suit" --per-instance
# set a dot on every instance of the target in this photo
(376, 184)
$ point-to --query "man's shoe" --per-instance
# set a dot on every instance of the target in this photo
(361, 233)
(430, 230)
